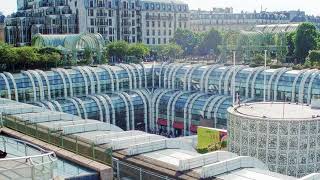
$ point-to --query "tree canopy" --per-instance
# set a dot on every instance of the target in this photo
(305, 40)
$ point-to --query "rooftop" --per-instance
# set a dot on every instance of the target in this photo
(278, 110)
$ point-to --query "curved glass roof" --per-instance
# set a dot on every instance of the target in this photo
(73, 42)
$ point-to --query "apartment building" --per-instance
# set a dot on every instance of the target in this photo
(44, 16)
(161, 18)
(128, 20)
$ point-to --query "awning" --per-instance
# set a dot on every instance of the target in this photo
(162, 122)
(193, 128)
(178, 125)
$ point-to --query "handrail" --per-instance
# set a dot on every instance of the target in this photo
(50, 154)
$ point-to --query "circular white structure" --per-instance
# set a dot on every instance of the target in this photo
(284, 136)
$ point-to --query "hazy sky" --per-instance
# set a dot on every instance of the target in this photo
(310, 6)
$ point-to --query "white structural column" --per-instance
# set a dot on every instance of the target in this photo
(58, 105)
(108, 70)
(166, 74)
(227, 80)
(82, 106)
(106, 108)
(211, 107)
(173, 109)
(217, 108)
(40, 104)
(222, 77)
(314, 75)
(50, 105)
(131, 109)
(233, 75)
(127, 109)
(135, 81)
(293, 91)
(97, 79)
(63, 80)
(32, 83)
(190, 75)
(269, 87)
(44, 75)
(206, 81)
(96, 100)
(145, 75)
(205, 77)
(185, 78)
(136, 67)
(130, 79)
(40, 83)
(257, 69)
(303, 84)
(155, 96)
(185, 112)
(253, 83)
(157, 102)
(149, 101)
(153, 81)
(204, 108)
(108, 99)
(84, 78)
(7, 85)
(69, 79)
(160, 73)
(190, 110)
(173, 77)
(91, 79)
(275, 90)
(145, 107)
(75, 105)
(171, 73)
(170, 123)
(14, 84)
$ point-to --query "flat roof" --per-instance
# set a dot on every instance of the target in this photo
(277, 111)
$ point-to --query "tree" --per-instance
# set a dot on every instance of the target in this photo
(138, 50)
(187, 40)
(117, 49)
(305, 41)
(168, 51)
(28, 56)
(314, 56)
(210, 43)
(291, 43)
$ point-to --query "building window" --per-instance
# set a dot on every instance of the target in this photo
(159, 23)
(92, 22)
(159, 41)
(164, 40)
(148, 24)
(153, 40)
(153, 24)
(169, 32)
(153, 32)
(159, 32)
(148, 32)
(148, 41)
(164, 24)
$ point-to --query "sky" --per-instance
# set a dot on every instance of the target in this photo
(311, 7)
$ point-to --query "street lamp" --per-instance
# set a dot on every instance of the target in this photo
(264, 76)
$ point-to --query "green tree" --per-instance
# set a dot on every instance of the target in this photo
(291, 43)
(117, 49)
(8, 57)
(187, 40)
(138, 50)
(168, 51)
(314, 56)
(28, 57)
(210, 43)
(305, 40)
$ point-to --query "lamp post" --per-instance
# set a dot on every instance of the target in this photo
(264, 76)
(233, 78)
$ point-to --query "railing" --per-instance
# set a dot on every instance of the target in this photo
(28, 161)
(57, 138)
(122, 170)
